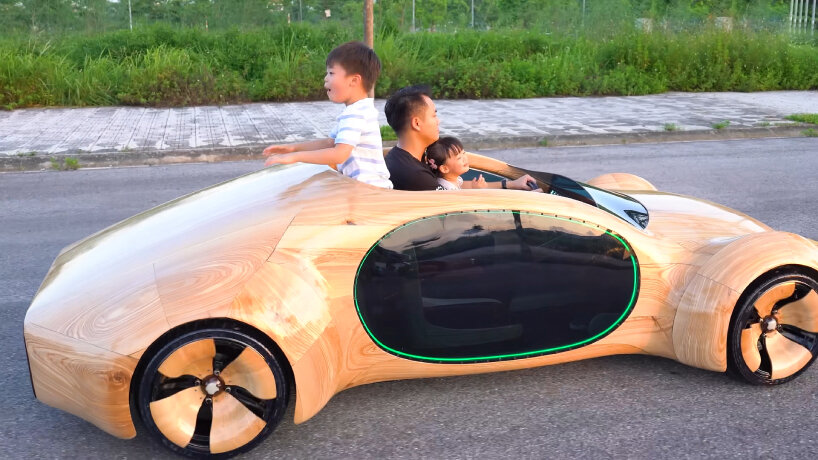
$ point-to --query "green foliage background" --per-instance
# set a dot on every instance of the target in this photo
(84, 55)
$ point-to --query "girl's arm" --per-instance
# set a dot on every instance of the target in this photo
(520, 183)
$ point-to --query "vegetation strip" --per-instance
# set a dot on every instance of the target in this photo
(163, 66)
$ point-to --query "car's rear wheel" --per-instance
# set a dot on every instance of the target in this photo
(212, 392)
(773, 334)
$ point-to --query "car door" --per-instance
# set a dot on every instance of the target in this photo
(485, 285)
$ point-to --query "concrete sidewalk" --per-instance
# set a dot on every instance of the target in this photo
(109, 136)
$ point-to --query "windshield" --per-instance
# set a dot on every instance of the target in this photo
(623, 206)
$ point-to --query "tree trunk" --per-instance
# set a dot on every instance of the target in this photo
(368, 23)
(369, 31)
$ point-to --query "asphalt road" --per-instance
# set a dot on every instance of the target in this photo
(624, 406)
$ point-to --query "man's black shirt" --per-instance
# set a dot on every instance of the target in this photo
(407, 173)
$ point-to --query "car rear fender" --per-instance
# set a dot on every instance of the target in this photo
(703, 315)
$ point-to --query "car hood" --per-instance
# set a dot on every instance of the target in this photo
(693, 222)
(267, 197)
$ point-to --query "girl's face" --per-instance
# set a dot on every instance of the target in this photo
(456, 165)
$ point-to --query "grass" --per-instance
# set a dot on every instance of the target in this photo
(388, 134)
(811, 118)
(164, 66)
(811, 132)
(71, 164)
(721, 124)
(67, 164)
(543, 142)
(670, 127)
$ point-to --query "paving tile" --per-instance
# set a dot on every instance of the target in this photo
(107, 129)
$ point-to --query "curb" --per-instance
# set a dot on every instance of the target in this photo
(38, 162)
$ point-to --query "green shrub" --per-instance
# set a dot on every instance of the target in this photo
(168, 76)
(811, 118)
(160, 65)
(388, 134)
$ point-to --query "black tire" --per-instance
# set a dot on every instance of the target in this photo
(747, 320)
(229, 343)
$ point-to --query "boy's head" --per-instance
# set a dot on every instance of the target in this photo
(352, 69)
(411, 112)
(446, 156)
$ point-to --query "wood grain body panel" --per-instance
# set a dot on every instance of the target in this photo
(702, 320)
(345, 356)
(373, 217)
(621, 181)
(745, 259)
(286, 301)
(118, 312)
(103, 290)
(81, 379)
(200, 281)
(693, 223)
(401, 206)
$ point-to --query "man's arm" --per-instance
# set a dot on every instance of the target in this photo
(332, 156)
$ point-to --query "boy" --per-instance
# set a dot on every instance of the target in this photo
(354, 146)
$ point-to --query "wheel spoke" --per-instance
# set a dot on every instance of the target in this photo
(803, 313)
(195, 358)
(251, 372)
(806, 339)
(786, 356)
(166, 387)
(233, 424)
(226, 352)
(764, 305)
(175, 416)
(749, 346)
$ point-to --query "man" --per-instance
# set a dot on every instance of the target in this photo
(412, 114)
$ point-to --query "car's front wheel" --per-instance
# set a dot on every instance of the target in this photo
(212, 392)
(773, 334)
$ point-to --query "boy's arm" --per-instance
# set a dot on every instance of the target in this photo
(332, 156)
(299, 146)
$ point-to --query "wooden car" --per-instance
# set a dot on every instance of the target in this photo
(200, 318)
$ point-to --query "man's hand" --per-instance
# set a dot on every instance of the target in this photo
(279, 159)
(522, 183)
(278, 149)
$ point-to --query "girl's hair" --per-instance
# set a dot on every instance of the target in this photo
(440, 151)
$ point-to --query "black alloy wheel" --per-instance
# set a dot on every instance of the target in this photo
(213, 392)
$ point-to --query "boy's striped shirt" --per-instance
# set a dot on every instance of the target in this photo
(358, 126)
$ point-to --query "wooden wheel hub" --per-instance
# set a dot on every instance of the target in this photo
(212, 385)
(769, 324)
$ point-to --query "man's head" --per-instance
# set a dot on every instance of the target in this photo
(352, 69)
(412, 113)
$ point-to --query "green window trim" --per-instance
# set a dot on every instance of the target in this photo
(509, 356)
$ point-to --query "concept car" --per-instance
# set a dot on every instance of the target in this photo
(200, 317)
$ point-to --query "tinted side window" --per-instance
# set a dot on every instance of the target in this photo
(493, 285)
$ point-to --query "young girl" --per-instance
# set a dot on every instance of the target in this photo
(448, 160)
